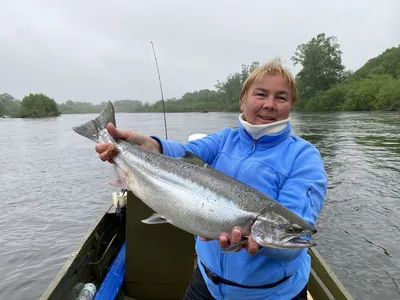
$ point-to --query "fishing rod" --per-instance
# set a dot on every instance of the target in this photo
(162, 95)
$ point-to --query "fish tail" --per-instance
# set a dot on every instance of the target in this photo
(92, 128)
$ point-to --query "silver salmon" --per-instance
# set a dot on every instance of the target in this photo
(195, 197)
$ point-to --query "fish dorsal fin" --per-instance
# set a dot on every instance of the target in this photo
(193, 159)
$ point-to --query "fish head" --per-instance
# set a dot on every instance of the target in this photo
(272, 229)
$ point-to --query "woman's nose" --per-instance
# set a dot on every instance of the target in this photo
(269, 103)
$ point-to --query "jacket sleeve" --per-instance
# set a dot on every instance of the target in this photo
(206, 148)
(303, 192)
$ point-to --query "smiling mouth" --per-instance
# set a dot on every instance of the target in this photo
(267, 119)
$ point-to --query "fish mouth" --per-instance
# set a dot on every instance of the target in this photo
(297, 242)
(292, 241)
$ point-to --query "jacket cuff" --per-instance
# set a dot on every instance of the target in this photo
(170, 148)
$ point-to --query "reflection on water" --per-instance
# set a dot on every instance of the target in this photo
(380, 143)
(53, 187)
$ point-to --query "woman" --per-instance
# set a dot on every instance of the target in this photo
(262, 153)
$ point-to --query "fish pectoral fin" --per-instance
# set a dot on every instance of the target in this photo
(234, 247)
(119, 184)
(193, 159)
(119, 181)
(155, 219)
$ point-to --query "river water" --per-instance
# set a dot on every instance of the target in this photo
(53, 187)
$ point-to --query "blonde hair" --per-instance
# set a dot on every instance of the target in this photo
(273, 67)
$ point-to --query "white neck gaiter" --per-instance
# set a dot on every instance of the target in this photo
(257, 131)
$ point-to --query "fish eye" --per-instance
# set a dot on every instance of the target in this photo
(294, 228)
(290, 229)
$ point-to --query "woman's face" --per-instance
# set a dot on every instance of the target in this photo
(268, 100)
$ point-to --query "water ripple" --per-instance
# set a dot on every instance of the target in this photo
(54, 187)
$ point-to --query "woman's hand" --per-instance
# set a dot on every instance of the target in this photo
(107, 153)
(236, 237)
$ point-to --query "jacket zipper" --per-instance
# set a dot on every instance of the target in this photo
(239, 166)
(222, 256)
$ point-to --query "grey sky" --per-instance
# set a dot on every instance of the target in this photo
(100, 50)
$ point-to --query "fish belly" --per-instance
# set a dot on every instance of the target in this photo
(186, 205)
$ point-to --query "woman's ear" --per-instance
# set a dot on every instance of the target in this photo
(292, 106)
(242, 104)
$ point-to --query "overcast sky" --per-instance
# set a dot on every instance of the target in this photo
(100, 50)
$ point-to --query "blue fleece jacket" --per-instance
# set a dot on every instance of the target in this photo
(287, 169)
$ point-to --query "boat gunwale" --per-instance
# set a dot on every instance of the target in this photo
(54, 284)
(323, 282)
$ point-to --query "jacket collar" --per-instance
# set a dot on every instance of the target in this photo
(257, 131)
(266, 140)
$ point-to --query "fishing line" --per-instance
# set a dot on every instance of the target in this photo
(162, 94)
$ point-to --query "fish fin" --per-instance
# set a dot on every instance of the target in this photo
(119, 181)
(155, 219)
(234, 247)
(91, 129)
(193, 159)
(119, 184)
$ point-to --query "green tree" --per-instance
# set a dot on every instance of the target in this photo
(38, 105)
(10, 105)
(374, 86)
(362, 94)
(229, 89)
(329, 100)
(388, 97)
(2, 110)
(386, 63)
(77, 107)
(322, 66)
(128, 106)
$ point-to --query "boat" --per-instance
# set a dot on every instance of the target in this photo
(127, 259)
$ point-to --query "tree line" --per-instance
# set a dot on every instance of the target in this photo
(323, 82)
(31, 106)
(325, 85)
